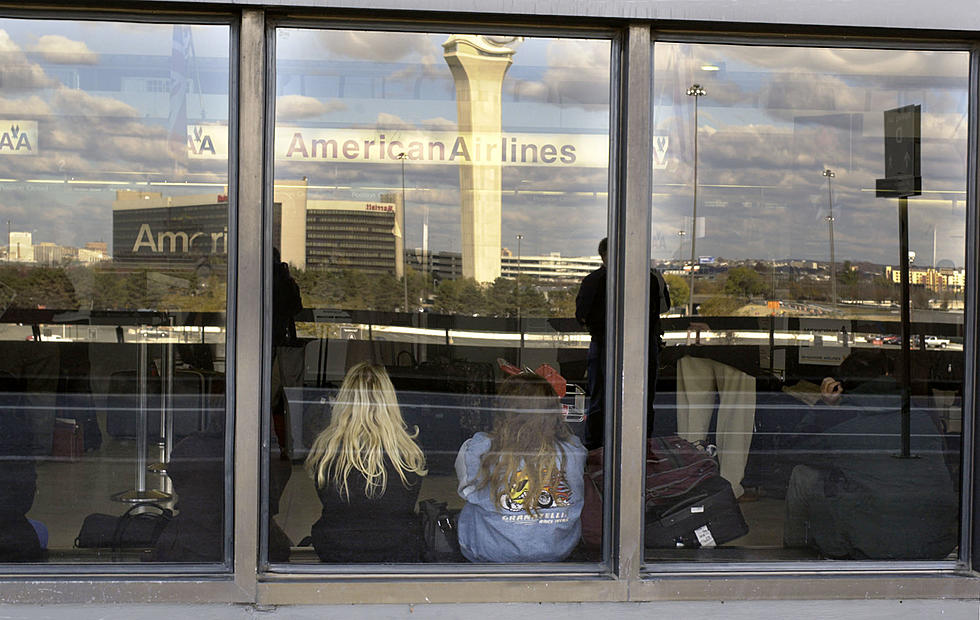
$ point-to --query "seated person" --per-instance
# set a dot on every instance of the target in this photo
(851, 487)
(196, 533)
(368, 472)
(19, 538)
(197, 470)
(866, 373)
(523, 482)
(863, 383)
(699, 379)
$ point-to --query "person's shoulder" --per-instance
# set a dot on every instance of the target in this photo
(595, 277)
(480, 442)
(573, 445)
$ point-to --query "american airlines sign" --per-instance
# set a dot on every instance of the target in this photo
(18, 137)
(429, 148)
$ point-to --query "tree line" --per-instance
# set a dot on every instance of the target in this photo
(203, 288)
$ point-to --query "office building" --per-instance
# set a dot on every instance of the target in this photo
(351, 235)
(20, 248)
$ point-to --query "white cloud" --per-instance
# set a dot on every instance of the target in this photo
(77, 102)
(295, 107)
(842, 61)
(29, 107)
(58, 49)
(376, 46)
(389, 122)
(439, 124)
(578, 74)
(16, 72)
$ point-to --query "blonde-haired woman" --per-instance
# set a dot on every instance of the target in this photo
(368, 470)
(523, 482)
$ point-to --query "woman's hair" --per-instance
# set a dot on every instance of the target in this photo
(525, 442)
(366, 426)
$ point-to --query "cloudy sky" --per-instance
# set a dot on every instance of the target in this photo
(98, 93)
(396, 83)
(772, 120)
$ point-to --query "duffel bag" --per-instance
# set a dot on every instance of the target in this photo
(136, 530)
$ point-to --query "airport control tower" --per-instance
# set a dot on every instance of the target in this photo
(478, 65)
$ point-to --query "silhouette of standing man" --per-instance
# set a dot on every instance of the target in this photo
(590, 311)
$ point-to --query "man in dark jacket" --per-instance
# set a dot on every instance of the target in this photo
(590, 311)
(287, 350)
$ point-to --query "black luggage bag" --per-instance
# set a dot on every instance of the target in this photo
(706, 516)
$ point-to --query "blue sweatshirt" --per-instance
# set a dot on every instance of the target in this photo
(498, 529)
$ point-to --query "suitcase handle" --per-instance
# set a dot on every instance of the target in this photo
(683, 508)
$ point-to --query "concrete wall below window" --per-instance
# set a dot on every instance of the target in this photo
(729, 610)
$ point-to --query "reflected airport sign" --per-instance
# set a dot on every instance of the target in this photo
(328, 145)
(660, 152)
(351, 205)
(18, 137)
(903, 176)
(207, 141)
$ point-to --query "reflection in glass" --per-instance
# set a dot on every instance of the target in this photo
(437, 200)
(113, 191)
(788, 369)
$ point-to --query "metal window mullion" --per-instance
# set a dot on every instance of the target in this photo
(629, 297)
(248, 315)
(970, 493)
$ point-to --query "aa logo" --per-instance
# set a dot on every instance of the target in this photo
(18, 137)
(199, 142)
(660, 152)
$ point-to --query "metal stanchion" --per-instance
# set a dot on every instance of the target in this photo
(140, 493)
(166, 404)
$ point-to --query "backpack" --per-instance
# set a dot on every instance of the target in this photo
(439, 532)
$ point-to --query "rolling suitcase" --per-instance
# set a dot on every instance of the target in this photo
(706, 516)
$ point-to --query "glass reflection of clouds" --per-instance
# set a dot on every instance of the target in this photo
(775, 117)
(98, 94)
(399, 84)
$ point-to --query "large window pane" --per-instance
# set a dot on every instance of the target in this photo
(784, 347)
(113, 189)
(438, 199)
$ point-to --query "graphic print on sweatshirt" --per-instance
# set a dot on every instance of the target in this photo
(555, 494)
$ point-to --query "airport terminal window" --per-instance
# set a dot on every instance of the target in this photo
(426, 355)
(113, 292)
(787, 375)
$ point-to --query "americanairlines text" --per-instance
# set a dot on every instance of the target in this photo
(380, 147)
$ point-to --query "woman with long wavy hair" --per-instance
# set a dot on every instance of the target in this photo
(368, 471)
(523, 482)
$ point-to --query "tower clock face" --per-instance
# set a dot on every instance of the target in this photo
(500, 40)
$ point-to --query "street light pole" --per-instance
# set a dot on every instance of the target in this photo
(695, 91)
(402, 157)
(830, 222)
(520, 328)
(518, 288)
